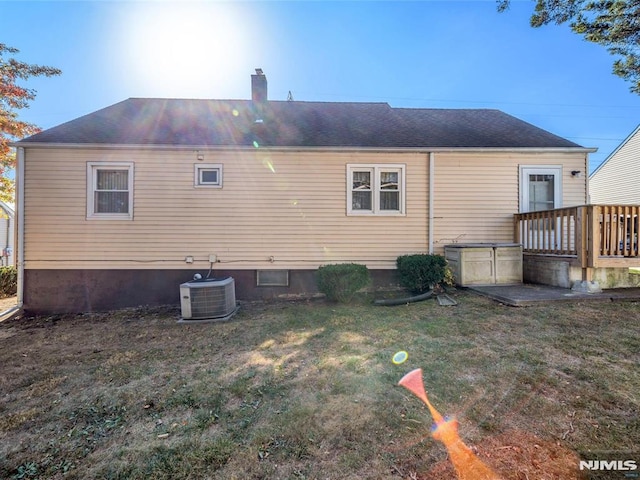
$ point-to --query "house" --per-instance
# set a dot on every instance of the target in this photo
(120, 206)
(616, 180)
(7, 231)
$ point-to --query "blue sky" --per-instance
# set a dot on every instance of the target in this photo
(425, 54)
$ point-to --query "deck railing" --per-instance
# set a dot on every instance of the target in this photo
(597, 235)
(619, 230)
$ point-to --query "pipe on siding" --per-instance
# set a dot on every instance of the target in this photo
(432, 169)
(8, 237)
(19, 225)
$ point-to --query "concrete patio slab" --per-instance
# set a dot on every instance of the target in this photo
(523, 295)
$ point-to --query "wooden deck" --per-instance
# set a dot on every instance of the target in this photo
(594, 235)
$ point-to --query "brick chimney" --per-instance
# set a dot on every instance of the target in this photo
(259, 87)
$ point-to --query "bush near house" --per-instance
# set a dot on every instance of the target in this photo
(420, 272)
(8, 281)
(340, 282)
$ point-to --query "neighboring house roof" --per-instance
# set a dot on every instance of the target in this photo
(617, 149)
(169, 122)
(7, 208)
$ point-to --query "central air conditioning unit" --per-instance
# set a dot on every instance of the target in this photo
(208, 299)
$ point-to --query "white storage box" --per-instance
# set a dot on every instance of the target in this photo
(485, 263)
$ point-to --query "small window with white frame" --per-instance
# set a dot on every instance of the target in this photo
(208, 175)
(375, 189)
(110, 190)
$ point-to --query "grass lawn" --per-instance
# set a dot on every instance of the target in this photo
(308, 391)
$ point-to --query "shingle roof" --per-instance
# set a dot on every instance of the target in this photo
(150, 121)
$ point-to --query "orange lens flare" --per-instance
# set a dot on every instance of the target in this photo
(467, 465)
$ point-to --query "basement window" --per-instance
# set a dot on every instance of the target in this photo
(272, 278)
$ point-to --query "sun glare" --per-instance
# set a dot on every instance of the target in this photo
(183, 49)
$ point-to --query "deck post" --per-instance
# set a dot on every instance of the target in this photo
(581, 236)
(593, 235)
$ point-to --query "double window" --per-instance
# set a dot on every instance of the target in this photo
(110, 190)
(375, 189)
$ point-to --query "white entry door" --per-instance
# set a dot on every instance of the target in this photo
(540, 188)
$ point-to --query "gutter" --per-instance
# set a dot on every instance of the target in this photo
(19, 224)
(423, 150)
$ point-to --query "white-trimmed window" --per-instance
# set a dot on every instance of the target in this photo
(208, 175)
(110, 190)
(375, 189)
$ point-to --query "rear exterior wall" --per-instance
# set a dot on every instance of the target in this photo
(476, 194)
(279, 210)
(274, 210)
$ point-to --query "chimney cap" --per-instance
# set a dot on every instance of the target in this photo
(259, 71)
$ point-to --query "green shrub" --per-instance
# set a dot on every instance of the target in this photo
(420, 272)
(340, 282)
(8, 281)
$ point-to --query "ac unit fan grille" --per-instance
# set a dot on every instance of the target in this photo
(212, 301)
(208, 299)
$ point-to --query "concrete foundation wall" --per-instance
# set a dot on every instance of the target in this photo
(616, 278)
(77, 291)
(556, 271)
(564, 272)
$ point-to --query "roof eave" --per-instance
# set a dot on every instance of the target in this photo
(425, 149)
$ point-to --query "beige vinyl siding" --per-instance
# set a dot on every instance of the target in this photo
(617, 181)
(477, 194)
(289, 207)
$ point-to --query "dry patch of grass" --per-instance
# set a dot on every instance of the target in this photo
(308, 391)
